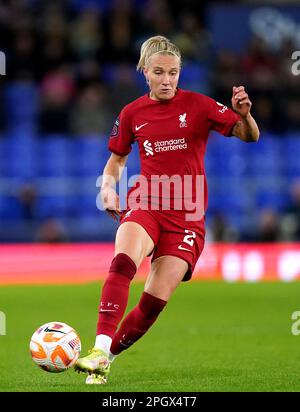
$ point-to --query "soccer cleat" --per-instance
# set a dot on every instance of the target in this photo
(95, 379)
(96, 363)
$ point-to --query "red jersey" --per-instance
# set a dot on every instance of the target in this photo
(171, 135)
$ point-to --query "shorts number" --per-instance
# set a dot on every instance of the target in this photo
(189, 238)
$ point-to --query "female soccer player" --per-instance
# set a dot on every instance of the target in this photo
(171, 127)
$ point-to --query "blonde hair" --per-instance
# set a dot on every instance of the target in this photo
(154, 45)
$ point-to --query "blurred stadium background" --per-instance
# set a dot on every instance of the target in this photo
(70, 68)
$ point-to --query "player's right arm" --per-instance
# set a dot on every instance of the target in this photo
(111, 175)
(120, 142)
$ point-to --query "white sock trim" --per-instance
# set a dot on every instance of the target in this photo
(111, 357)
(103, 342)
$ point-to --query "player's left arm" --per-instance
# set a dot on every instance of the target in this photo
(245, 129)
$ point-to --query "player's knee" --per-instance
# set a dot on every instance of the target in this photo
(151, 306)
(124, 265)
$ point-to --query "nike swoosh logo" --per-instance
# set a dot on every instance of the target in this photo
(139, 127)
(107, 310)
(54, 330)
(183, 248)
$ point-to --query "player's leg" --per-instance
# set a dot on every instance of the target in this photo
(175, 256)
(166, 274)
(133, 243)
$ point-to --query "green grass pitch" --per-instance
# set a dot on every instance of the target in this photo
(212, 336)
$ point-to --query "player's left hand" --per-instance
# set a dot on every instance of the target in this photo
(240, 101)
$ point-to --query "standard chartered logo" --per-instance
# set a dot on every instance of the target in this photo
(148, 148)
(170, 145)
(164, 146)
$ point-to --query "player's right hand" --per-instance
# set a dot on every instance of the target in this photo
(111, 202)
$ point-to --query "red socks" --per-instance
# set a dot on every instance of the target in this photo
(137, 322)
(115, 294)
(113, 305)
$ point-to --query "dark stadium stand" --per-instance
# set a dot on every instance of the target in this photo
(40, 148)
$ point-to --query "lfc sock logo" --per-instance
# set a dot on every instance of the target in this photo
(109, 307)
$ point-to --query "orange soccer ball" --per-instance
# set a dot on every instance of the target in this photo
(55, 347)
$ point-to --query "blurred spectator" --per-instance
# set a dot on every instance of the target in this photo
(3, 120)
(91, 114)
(291, 218)
(19, 15)
(86, 36)
(53, 38)
(263, 112)
(260, 66)
(54, 54)
(51, 231)
(57, 90)
(23, 63)
(53, 23)
(27, 198)
(269, 114)
(226, 74)
(158, 19)
(193, 40)
(5, 28)
(221, 230)
(44, 36)
(268, 229)
(118, 47)
(124, 88)
(87, 71)
(293, 114)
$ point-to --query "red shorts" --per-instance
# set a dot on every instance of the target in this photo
(171, 234)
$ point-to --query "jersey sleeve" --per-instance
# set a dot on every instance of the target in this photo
(221, 118)
(121, 137)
